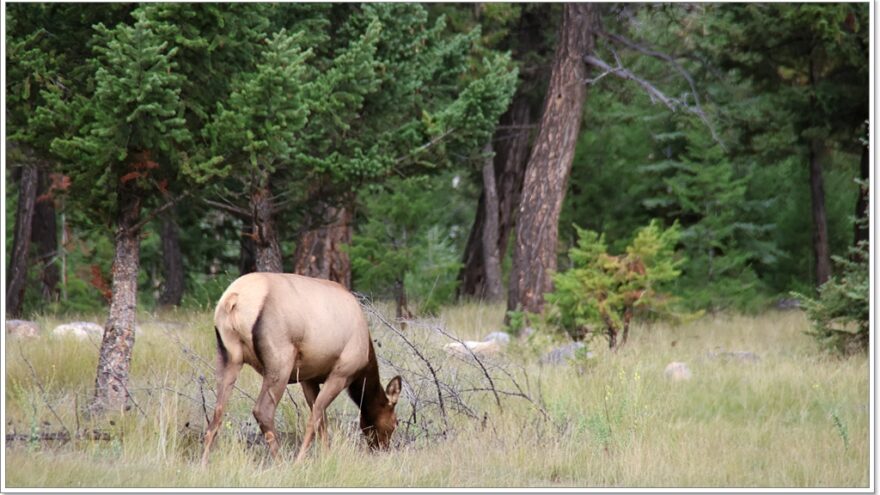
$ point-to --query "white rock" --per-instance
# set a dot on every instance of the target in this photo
(677, 371)
(79, 329)
(501, 337)
(22, 328)
(481, 349)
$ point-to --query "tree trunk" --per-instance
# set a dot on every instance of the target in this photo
(267, 251)
(534, 259)
(319, 250)
(511, 144)
(513, 160)
(491, 256)
(821, 251)
(16, 276)
(45, 238)
(114, 362)
(401, 306)
(172, 262)
(247, 262)
(862, 225)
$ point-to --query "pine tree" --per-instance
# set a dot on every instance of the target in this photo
(701, 189)
(809, 64)
(132, 126)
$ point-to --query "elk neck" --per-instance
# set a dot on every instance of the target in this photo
(366, 389)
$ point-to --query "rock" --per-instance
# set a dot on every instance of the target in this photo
(480, 349)
(677, 371)
(79, 329)
(741, 356)
(22, 328)
(527, 332)
(502, 337)
(564, 353)
(787, 303)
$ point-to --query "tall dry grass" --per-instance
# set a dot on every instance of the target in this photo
(796, 418)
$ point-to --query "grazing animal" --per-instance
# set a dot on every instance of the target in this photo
(295, 329)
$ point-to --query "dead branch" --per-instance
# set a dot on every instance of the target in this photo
(233, 210)
(478, 361)
(42, 390)
(416, 350)
(655, 94)
(423, 147)
(158, 211)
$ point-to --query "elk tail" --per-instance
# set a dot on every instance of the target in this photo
(224, 323)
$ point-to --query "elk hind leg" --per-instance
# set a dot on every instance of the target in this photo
(228, 368)
(274, 384)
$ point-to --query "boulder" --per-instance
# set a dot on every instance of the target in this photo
(79, 329)
(677, 371)
(564, 353)
(22, 328)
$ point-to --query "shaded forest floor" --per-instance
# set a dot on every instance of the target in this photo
(793, 418)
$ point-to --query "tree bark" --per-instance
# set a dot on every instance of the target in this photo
(534, 259)
(114, 362)
(401, 305)
(267, 251)
(821, 251)
(16, 276)
(513, 159)
(862, 226)
(247, 262)
(491, 256)
(511, 145)
(319, 250)
(172, 262)
(44, 235)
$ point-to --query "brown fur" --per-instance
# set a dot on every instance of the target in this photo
(295, 329)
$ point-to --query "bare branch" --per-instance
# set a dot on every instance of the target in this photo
(479, 362)
(424, 147)
(415, 349)
(153, 214)
(229, 208)
(654, 93)
(658, 55)
(42, 391)
(624, 73)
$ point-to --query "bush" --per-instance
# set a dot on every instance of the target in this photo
(840, 316)
(602, 292)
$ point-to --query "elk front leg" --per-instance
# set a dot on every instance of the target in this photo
(311, 389)
(332, 387)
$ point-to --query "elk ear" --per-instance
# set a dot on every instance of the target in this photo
(393, 390)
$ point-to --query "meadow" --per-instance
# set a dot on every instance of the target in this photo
(794, 418)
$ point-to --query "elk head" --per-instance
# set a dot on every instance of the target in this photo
(379, 421)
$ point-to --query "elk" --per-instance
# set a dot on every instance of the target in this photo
(296, 329)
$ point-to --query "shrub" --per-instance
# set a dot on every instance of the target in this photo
(602, 292)
(840, 314)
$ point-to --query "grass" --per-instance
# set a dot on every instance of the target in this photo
(796, 418)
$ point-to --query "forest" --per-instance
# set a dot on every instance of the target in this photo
(612, 176)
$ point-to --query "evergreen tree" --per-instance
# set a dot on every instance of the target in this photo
(132, 125)
(808, 64)
(700, 189)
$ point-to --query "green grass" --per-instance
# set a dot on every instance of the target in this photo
(797, 418)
